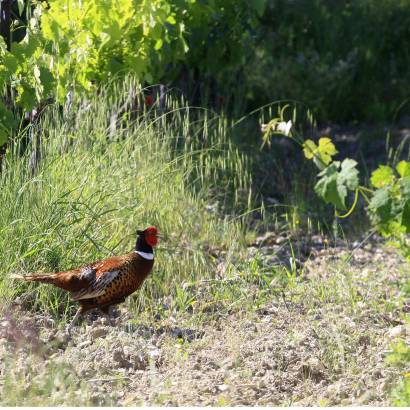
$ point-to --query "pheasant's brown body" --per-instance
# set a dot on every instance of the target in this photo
(103, 283)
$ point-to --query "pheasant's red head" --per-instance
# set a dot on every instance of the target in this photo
(151, 235)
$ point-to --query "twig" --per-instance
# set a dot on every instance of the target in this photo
(284, 301)
(111, 379)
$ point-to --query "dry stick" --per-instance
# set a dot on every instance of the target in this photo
(284, 301)
(111, 379)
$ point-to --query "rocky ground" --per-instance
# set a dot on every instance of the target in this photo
(322, 340)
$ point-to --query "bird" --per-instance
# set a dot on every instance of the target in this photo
(106, 282)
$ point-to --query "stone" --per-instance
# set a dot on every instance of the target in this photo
(223, 387)
(98, 332)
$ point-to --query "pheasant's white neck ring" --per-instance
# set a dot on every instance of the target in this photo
(146, 255)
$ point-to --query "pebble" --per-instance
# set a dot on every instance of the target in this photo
(84, 344)
(98, 332)
(223, 387)
(398, 331)
(365, 397)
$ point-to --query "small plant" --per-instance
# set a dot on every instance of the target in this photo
(388, 199)
(400, 357)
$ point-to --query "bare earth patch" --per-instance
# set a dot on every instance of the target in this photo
(322, 342)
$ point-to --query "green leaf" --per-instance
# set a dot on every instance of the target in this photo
(326, 150)
(405, 216)
(4, 136)
(322, 154)
(47, 81)
(403, 168)
(158, 44)
(28, 98)
(7, 123)
(382, 176)
(171, 20)
(7, 118)
(10, 62)
(380, 204)
(405, 187)
(349, 175)
(330, 188)
(309, 149)
(148, 78)
(259, 6)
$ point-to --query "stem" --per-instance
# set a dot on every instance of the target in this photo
(364, 195)
(363, 188)
(356, 198)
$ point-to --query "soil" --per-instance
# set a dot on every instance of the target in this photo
(322, 342)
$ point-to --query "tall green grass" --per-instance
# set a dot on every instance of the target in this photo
(111, 165)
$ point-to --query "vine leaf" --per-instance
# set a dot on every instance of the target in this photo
(349, 175)
(380, 204)
(321, 154)
(7, 122)
(382, 176)
(403, 168)
(328, 188)
(334, 184)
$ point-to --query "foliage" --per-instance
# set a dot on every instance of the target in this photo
(330, 55)
(94, 40)
(389, 205)
(336, 180)
(400, 357)
(80, 45)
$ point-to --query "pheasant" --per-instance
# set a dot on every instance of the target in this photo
(106, 282)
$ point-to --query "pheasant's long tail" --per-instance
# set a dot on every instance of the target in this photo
(47, 278)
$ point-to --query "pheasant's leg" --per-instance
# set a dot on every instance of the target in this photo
(75, 318)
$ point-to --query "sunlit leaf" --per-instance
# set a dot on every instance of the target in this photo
(403, 168)
(326, 150)
(382, 176)
(309, 149)
(349, 174)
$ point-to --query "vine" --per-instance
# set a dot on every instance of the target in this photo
(388, 198)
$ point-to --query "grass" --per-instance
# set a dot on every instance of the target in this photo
(103, 171)
(97, 182)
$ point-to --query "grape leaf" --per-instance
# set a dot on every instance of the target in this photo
(382, 176)
(405, 187)
(403, 168)
(7, 122)
(380, 205)
(334, 183)
(309, 149)
(326, 149)
(349, 175)
(322, 154)
(329, 188)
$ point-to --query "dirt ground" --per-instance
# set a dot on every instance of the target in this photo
(323, 341)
